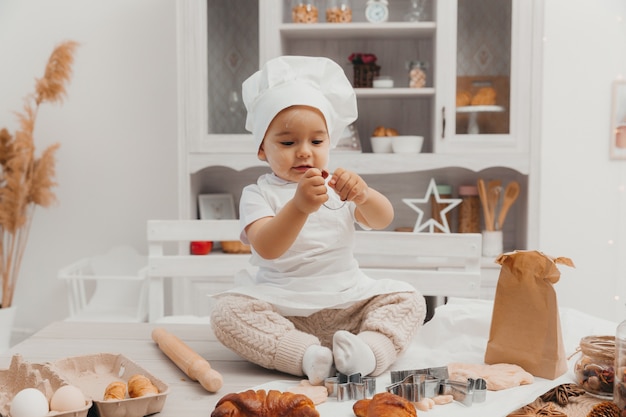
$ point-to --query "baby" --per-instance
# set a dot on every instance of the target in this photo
(309, 309)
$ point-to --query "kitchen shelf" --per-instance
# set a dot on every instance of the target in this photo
(373, 163)
(394, 92)
(391, 30)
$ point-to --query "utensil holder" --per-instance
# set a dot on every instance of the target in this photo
(492, 243)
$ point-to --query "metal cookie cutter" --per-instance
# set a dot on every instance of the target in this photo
(350, 387)
(440, 372)
(467, 393)
(416, 387)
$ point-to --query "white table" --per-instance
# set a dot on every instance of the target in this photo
(186, 398)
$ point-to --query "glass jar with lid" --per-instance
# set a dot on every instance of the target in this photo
(595, 369)
(304, 11)
(469, 210)
(338, 11)
(417, 73)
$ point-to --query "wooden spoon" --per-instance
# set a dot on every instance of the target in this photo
(482, 193)
(494, 189)
(510, 195)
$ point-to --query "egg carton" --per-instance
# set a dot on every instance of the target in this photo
(22, 374)
(92, 374)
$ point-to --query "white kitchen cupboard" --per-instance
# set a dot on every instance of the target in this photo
(214, 160)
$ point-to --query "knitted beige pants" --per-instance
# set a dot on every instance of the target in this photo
(253, 329)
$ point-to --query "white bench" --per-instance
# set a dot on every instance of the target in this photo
(438, 264)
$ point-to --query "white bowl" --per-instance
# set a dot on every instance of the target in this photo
(407, 144)
(381, 144)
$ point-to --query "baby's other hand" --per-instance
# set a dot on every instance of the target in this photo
(349, 186)
(311, 192)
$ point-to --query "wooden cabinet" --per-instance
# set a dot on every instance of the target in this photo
(216, 160)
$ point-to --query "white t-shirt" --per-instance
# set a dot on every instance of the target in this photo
(319, 270)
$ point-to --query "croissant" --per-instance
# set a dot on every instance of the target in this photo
(259, 403)
(139, 385)
(484, 96)
(384, 404)
(116, 390)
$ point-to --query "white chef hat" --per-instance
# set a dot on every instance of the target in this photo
(298, 80)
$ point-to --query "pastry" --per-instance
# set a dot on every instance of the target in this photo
(139, 385)
(379, 131)
(259, 403)
(463, 98)
(391, 132)
(384, 404)
(486, 96)
(234, 246)
(116, 390)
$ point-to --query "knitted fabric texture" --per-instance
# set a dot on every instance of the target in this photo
(253, 329)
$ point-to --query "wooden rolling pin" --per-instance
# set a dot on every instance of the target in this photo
(193, 365)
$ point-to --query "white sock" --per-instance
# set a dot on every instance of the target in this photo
(317, 363)
(352, 355)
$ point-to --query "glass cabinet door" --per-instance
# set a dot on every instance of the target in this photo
(483, 67)
(232, 56)
(483, 102)
(218, 50)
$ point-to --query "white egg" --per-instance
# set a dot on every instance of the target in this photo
(67, 398)
(29, 402)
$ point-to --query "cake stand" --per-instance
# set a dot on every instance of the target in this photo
(472, 127)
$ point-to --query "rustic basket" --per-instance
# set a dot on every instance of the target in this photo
(364, 74)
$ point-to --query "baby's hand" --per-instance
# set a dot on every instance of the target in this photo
(349, 186)
(311, 192)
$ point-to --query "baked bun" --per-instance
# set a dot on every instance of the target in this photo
(140, 385)
(463, 98)
(486, 96)
(391, 132)
(116, 390)
(259, 403)
(384, 404)
(379, 131)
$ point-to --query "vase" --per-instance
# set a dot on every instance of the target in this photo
(7, 319)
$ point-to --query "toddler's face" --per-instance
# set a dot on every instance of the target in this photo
(296, 140)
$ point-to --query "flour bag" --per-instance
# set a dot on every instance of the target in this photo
(525, 322)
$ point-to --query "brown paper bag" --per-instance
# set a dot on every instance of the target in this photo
(525, 322)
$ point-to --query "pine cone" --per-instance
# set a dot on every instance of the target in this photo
(605, 409)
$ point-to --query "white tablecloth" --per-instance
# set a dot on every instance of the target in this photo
(459, 332)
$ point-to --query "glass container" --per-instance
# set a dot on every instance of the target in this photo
(469, 210)
(304, 11)
(338, 11)
(595, 369)
(417, 73)
(416, 11)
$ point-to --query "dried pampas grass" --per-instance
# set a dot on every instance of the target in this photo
(25, 180)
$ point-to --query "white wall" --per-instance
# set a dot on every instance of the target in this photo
(117, 129)
(583, 197)
(117, 165)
